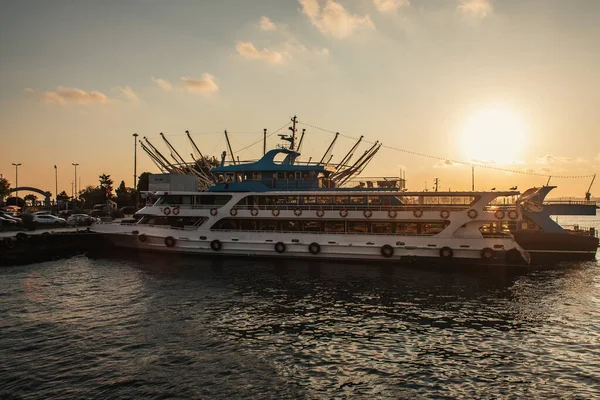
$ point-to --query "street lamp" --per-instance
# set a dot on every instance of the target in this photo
(16, 182)
(75, 180)
(56, 186)
(135, 135)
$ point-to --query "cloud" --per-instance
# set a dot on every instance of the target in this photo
(324, 52)
(247, 50)
(164, 85)
(386, 6)
(550, 159)
(129, 94)
(333, 19)
(29, 90)
(266, 24)
(63, 95)
(475, 8)
(444, 164)
(205, 85)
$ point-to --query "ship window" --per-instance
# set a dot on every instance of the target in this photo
(276, 200)
(257, 176)
(178, 199)
(381, 227)
(341, 199)
(324, 199)
(268, 225)
(281, 175)
(292, 200)
(290, 225)
(406, 228)
(247, 224)
(374, 200)
(220, 178)
(239, 177)
(432, 228)
(309, 199)
(213, 199)
(298, 175)
(311, 226)
(357, 199)
(334, 226)
(358, 227)
(290, 175)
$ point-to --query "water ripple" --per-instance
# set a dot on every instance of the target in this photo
(159, 327)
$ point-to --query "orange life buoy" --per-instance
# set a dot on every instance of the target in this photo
(175, 210)
(320, 213)
(298, 212)
(513, 214)
(343, 213)
(392, 213)
(233, 212)
(213, 211)
(472, 213)
(418, 213)
(499, 214)
(166, 210)
(367, 213)
(254, 212)
(445, 214)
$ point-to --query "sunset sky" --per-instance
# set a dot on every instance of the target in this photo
(513, 84)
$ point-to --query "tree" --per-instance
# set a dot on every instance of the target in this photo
(125, 196)
(31, 198)
(4, 187)
(144, 182)
(62, 196)
(106, 185)
(92, 196)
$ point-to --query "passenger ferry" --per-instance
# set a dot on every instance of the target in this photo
(281, 207)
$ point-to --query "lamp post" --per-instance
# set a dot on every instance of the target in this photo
(75, 181)
(56, 187)
(135, 135)
(16, 182)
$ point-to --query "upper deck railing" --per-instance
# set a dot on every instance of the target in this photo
(574, 202)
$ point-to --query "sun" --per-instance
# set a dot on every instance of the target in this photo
(494, 135)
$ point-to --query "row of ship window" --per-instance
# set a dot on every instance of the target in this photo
(229, 177)
(220, 200)
(406, 228)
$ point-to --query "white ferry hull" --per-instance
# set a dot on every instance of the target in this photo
(368, 248)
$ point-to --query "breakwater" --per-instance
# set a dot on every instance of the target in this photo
(25, 248)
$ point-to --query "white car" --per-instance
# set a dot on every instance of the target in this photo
(48, 219)
(80, 219)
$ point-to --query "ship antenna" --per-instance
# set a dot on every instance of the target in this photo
(229, 146)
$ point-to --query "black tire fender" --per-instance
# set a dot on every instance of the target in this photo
(487, 253)
(387, 250)
(216, 245)
(280, 247)
(446, 252)
(169, 241)
(314, 248)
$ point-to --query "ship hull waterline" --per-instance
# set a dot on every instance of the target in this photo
(335, 252)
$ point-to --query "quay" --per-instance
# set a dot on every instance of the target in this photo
(19, 248)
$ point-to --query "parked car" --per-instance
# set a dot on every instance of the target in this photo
(48, 219)
(99, 213)
(9, 216)
(80, 220)
(8, 221)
